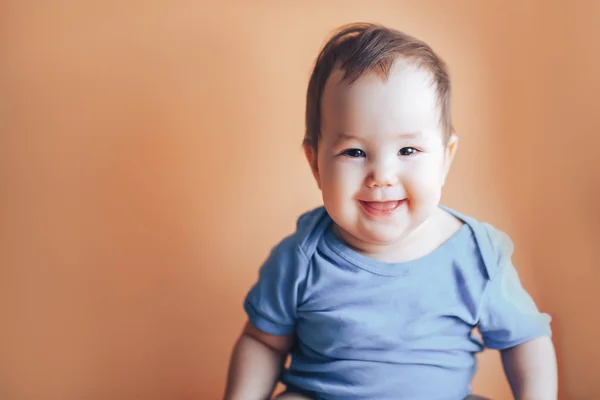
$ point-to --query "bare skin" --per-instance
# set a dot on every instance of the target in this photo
(256, 362)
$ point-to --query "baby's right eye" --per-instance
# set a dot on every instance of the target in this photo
(354, 153)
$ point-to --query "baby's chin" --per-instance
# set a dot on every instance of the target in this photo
(382, 237)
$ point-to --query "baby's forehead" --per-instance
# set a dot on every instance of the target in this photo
(406, 96)
(403, 82)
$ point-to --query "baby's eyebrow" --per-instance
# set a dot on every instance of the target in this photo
(343, 136)
(410, 135)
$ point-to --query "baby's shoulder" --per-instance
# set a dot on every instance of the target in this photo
(310, 227)
(296, 248)
(492, 242)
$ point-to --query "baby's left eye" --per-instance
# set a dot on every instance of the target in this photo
(408, 151)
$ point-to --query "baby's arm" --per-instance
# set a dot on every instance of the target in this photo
(511, 322)
(256, 363)
(531, 370)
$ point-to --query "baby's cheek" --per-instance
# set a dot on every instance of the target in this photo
(342, 183)
(336, 192)
(424, 189)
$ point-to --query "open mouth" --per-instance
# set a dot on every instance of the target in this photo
(381, 207)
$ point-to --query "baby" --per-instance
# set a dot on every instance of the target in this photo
(376, 294)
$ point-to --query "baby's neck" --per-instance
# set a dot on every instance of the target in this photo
(418, 243)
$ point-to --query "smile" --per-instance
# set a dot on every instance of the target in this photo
(381, 208)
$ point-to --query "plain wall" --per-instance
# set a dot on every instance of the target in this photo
(150, 158)
(565, 207)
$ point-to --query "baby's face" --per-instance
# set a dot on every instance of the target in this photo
(382, 159)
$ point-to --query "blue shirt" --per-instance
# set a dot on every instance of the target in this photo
(367, 329)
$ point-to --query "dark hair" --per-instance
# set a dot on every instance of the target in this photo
(361, 47)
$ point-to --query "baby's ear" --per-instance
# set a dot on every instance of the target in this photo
(449, 152)
(311, 156)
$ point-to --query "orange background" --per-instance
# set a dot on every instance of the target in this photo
(150, 157)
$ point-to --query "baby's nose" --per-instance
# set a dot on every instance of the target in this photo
(383, 175)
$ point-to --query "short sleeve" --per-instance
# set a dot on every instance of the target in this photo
(508, 315)
(272, 301)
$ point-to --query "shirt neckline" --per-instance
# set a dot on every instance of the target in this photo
(435, 257)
